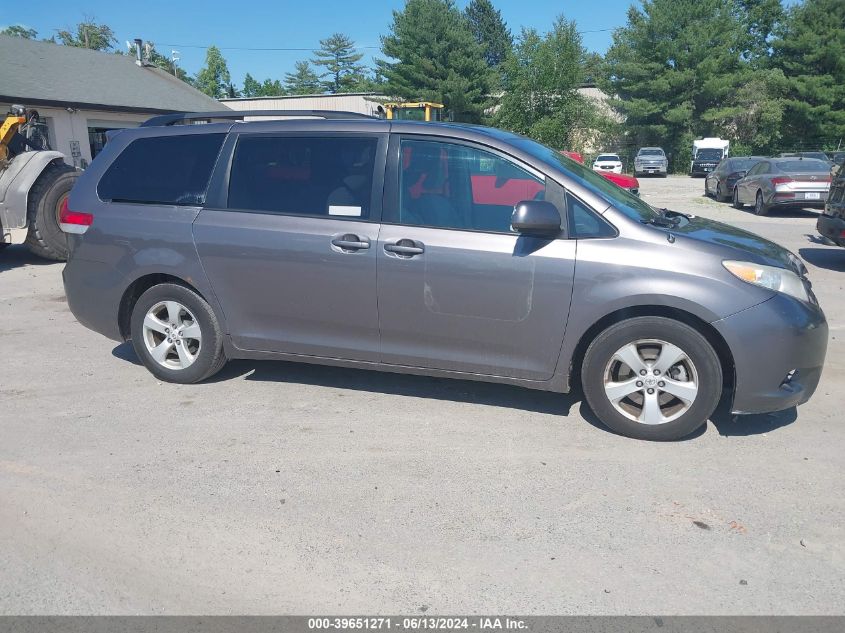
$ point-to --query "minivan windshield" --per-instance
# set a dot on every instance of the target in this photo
(624, 201)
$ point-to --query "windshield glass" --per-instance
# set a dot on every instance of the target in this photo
(607, 157)
(650, 152)
(614, 195)
(808, 164)
(709, 154)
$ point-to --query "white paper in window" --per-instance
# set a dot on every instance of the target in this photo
(335, 209)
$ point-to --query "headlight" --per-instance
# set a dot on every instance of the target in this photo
(771, 277)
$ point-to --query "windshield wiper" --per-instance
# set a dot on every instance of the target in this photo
(665, 218)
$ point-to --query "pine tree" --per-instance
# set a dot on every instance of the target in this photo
(214, 79)
(252, 88)
(810, 50)
(673, 66)
(436, 59)
(303, 80)
(337, 55)
(490, 31)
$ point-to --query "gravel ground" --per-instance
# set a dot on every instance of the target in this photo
(280, 488)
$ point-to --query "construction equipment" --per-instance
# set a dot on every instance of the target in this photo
(414, 111)
(35, 184)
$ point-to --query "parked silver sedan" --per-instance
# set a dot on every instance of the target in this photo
(784, 183)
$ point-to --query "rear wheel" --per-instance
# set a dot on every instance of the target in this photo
(736, 203)
(176, 334)
(760, 207)
(52, 188)
(652, 378)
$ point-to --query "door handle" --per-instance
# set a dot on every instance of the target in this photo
(350, 243)
(405, 248)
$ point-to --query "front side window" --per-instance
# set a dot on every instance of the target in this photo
(452, 186)
(584, 222)
(300, 175)
(162, 170)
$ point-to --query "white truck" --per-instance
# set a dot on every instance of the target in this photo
(706, 154)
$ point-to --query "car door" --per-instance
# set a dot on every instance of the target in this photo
(747, 187)
(289, 242)
(711, 181)
(458, 290)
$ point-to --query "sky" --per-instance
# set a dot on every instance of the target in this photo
(190, 26)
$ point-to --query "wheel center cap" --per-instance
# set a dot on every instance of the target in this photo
(650, 381)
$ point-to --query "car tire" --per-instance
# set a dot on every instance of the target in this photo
(662, 415)
(191, 352)
(736, 203)
(760, 207)
(720, 197)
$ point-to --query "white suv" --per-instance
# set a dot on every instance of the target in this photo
(608, 162)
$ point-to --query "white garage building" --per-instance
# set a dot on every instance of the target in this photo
(83, 93)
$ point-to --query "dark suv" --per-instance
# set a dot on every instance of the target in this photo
(427, 248)
(831, 222)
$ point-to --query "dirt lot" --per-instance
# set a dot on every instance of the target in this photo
(293, 489)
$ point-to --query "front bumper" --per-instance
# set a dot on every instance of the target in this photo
(650, 169)
(768, 341)
(833, 228)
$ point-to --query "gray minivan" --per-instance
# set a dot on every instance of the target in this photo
(438, 249)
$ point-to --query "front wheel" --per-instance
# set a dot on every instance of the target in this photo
(760, 207)
(176, 334)
(652, 378)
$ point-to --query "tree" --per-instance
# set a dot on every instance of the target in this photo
(303, 80)
(671, 65)
(337, 55)
(810, 50)
(761, 18)
(436, 59)
(489, 30)
(214, 79)
(593, 68)
(19, 30)
(541, 79)
(252, 88)
(89, 34)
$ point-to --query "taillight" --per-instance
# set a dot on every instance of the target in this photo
(74, 221)
(781, 180)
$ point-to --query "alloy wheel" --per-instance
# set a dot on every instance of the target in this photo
(651, 381)
(172, 335)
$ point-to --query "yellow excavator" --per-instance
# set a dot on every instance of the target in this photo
(413, 111)
(35, 183)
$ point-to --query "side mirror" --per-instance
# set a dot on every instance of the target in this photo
(536, 217)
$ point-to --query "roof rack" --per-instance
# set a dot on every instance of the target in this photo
(181, 117)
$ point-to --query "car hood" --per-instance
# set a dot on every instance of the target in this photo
(739, 244)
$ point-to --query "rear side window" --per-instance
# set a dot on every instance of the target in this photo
(162, 170)
(320, 176)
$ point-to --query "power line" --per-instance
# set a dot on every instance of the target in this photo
(277, 48)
